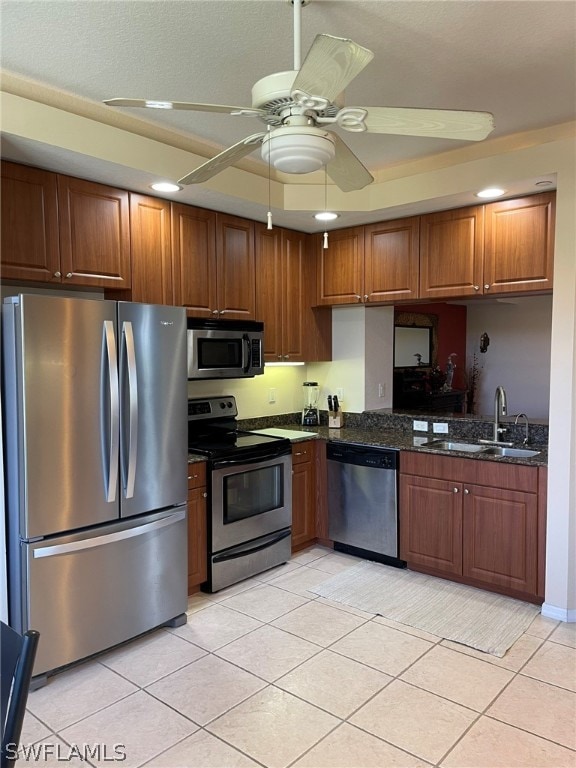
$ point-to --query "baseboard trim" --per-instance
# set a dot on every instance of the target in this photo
(559, 614)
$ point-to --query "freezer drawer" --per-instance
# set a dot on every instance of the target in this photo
(90, 591)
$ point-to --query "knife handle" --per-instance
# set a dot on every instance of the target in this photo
(336, 404)
(330, 403)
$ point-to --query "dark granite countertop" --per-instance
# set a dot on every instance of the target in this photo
(405, 441)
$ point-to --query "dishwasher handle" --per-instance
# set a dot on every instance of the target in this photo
(362, 455)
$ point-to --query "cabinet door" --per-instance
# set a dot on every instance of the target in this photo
(519, 246)
(303, 494)
(391, 260)
(500, 535)
(451, 253)
(151, 250)
(29, 221)
(194, 259)
(268, 278)
(197, 533)
(236, 281)
(341, 267)
(296, 311)
(431, 523)
(94, 234)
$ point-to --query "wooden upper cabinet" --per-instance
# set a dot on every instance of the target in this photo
(151, 250)
(30, 248)
(519, 244)
(391, 260)
(451, 253)
(268, 265)
(194, 259)
(341, 267)
(284, 287)
(236, 289)
(94, 233)
(296, 304)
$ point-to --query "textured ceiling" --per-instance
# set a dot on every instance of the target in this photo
(514, 58)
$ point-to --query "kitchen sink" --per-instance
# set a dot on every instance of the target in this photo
(498, 450)
(448, 445)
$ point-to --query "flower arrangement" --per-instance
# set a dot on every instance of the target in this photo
(435, 380)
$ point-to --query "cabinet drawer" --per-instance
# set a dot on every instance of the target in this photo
(302, 452)
(196, 475)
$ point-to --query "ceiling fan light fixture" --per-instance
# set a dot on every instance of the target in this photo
(166, 186)
(298, 150)
(491, 192)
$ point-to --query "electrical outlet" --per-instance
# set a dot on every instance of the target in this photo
(271, 395)
(421, 426)
(340, 393)
(441, 428)
(381, 390)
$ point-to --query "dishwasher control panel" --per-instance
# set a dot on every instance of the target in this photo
(364, 456)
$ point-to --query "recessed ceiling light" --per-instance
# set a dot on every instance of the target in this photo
(325, 216)
(491, 192)
(166, 186)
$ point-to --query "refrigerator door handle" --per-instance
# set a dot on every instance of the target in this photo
(129, 465)
(109, 411)
(109, 538)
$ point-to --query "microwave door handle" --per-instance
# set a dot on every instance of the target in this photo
(246, 358)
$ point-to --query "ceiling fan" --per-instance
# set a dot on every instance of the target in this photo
(301, 105)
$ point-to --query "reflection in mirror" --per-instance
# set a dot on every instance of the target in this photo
(412, 347)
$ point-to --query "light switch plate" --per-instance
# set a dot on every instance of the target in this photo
(440, 429)
(421, 426)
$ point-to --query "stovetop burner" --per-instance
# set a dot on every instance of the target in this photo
(213, 432)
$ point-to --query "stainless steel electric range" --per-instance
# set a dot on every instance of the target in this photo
(249, 484)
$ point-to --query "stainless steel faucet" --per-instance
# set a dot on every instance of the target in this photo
(499, 410)
(520, 416)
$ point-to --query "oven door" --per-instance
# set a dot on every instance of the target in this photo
(250, 499)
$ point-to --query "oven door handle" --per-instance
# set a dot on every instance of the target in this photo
(242, 551)
(245, 460)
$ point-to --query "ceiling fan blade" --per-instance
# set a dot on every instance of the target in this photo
(156, 104)
(440, 123)
(212, 167)
(331, 63)
(346, 170)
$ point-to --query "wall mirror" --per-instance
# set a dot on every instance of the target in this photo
(412, 347)
(415, 340)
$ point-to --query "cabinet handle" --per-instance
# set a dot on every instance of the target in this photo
(476, 287)
(297, 453)
(57, 274)
(466, 491)
(279, 357)
(357, 296)
(205, 495)
(365, 297)
(214, 311)
(68, 274)
(455, 490)
(487, 287)
(286, 357)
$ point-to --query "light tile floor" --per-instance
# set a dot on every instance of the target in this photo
(268, 674)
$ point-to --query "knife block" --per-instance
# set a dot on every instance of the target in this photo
(335, 420)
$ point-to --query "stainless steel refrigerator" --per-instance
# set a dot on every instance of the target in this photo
(95, 412)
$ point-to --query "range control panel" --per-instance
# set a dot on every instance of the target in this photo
(212, 408)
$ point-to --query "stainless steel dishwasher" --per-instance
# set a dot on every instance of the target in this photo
(363, 501)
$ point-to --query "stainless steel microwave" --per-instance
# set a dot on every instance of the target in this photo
(225, 349)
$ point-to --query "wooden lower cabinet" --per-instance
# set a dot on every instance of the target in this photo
(197, 533)
(431, 524)
(303, 494)
(487, 533)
